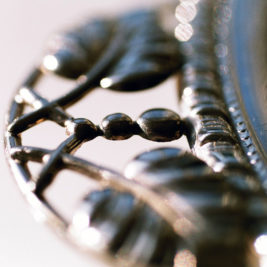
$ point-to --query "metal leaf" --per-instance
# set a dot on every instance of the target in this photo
(73, 52)
(125, 227)
(150, 55)
(145, 54)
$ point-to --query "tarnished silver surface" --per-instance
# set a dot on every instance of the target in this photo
(243, 75)
(170, 207)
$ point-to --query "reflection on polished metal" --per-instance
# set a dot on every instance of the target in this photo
(170, 208)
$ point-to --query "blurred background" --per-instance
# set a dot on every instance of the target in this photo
(25, 26)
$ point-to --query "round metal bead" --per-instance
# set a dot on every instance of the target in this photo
(83, 129)
(161, 125)
(117, 126)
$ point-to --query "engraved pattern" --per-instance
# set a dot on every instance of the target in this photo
(213, 138)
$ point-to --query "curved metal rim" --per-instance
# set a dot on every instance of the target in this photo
(232, 98)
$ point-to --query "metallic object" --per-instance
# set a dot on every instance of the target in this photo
(170, 208)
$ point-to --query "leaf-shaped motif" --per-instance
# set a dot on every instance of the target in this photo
(218, 202)
(73, 53)
(150, 55)
(145, 54)
(126, 228)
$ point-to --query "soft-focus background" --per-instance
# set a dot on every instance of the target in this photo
(24, 27)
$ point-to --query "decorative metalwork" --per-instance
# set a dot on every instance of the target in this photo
(170, 207)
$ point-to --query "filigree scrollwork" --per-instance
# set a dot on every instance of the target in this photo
(169, 204)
